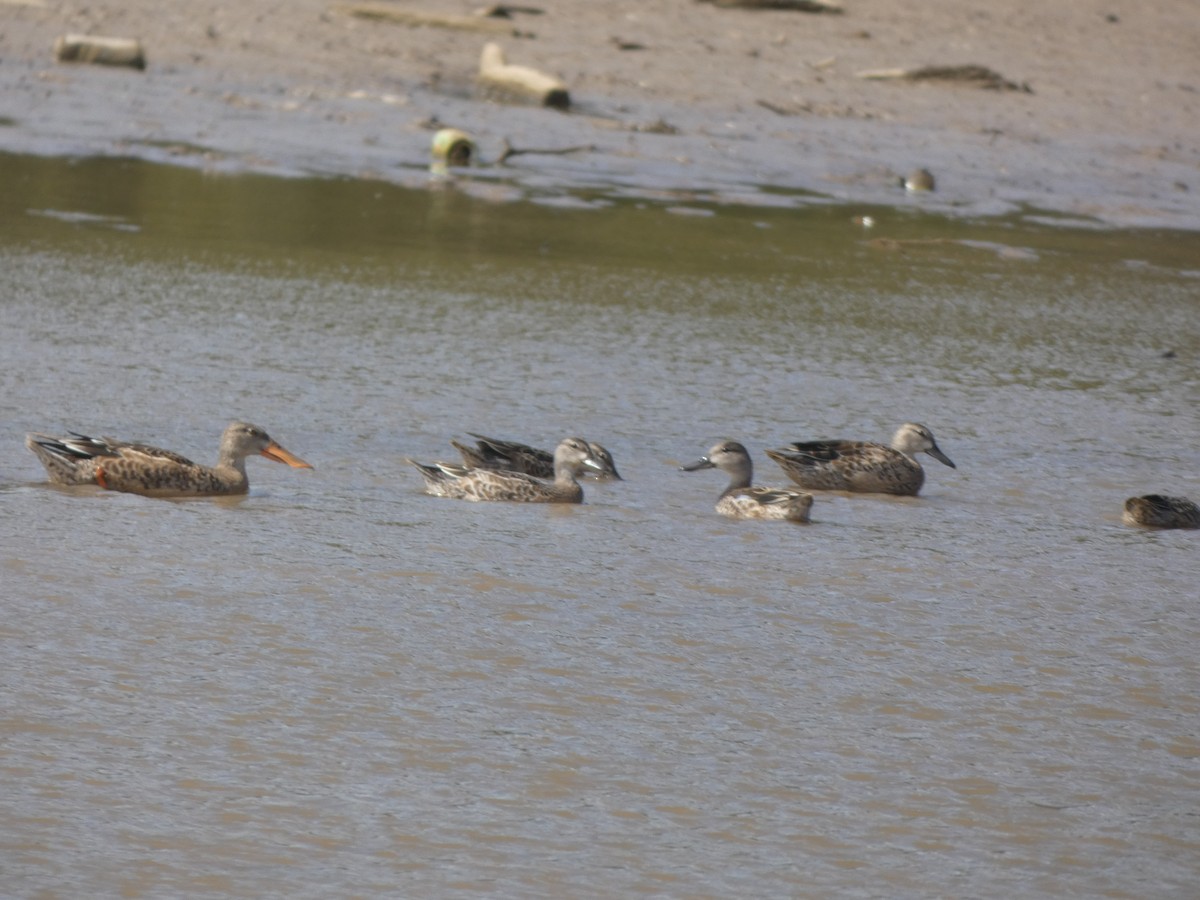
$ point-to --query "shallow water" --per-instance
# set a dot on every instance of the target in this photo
(339, 686)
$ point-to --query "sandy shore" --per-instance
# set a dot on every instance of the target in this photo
(671, 96)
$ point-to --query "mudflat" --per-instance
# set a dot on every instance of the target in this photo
(1087, 109)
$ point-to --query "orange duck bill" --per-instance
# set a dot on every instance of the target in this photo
(277, 453)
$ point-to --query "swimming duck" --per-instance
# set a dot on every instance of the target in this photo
(509, 456)
(742, 501)
(571, 457)
(1159, 511)
(862, 466)
(142, 469)
(918, 180)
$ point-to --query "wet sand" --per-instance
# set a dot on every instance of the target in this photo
(673, 98)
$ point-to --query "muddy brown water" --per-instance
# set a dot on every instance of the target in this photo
(338, 686)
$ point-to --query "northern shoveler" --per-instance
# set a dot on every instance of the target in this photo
(571, 457)
(862, 466)
(740, 499)
(1159, 511)
(509, 456)
(142, 469)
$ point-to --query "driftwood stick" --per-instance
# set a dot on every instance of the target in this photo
(414, 18)
(520, 82)
(452, 147)
(972, 75)
(810, 6)
(103, 51)
(509, 151)
(507, 10)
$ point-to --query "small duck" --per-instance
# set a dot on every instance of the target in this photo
(862, 466)
(142, 469)
(1159, 511)
(918, 181)
(571, 457)
(742, 501)
(509, 456)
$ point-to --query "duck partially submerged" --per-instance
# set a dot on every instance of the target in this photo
(142, 469)
(1160, 511)
(571, 457)
(510, 456)
(741, 500)
(862, 466)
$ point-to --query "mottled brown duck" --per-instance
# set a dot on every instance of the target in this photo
(1160, 511)
(740, 500)
(571, 458)
(509, 456)
(862, 466)
(142, 469)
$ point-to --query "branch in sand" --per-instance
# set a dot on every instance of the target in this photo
(970, 75)
(809, 6)
(415, 18)
(509, 151)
